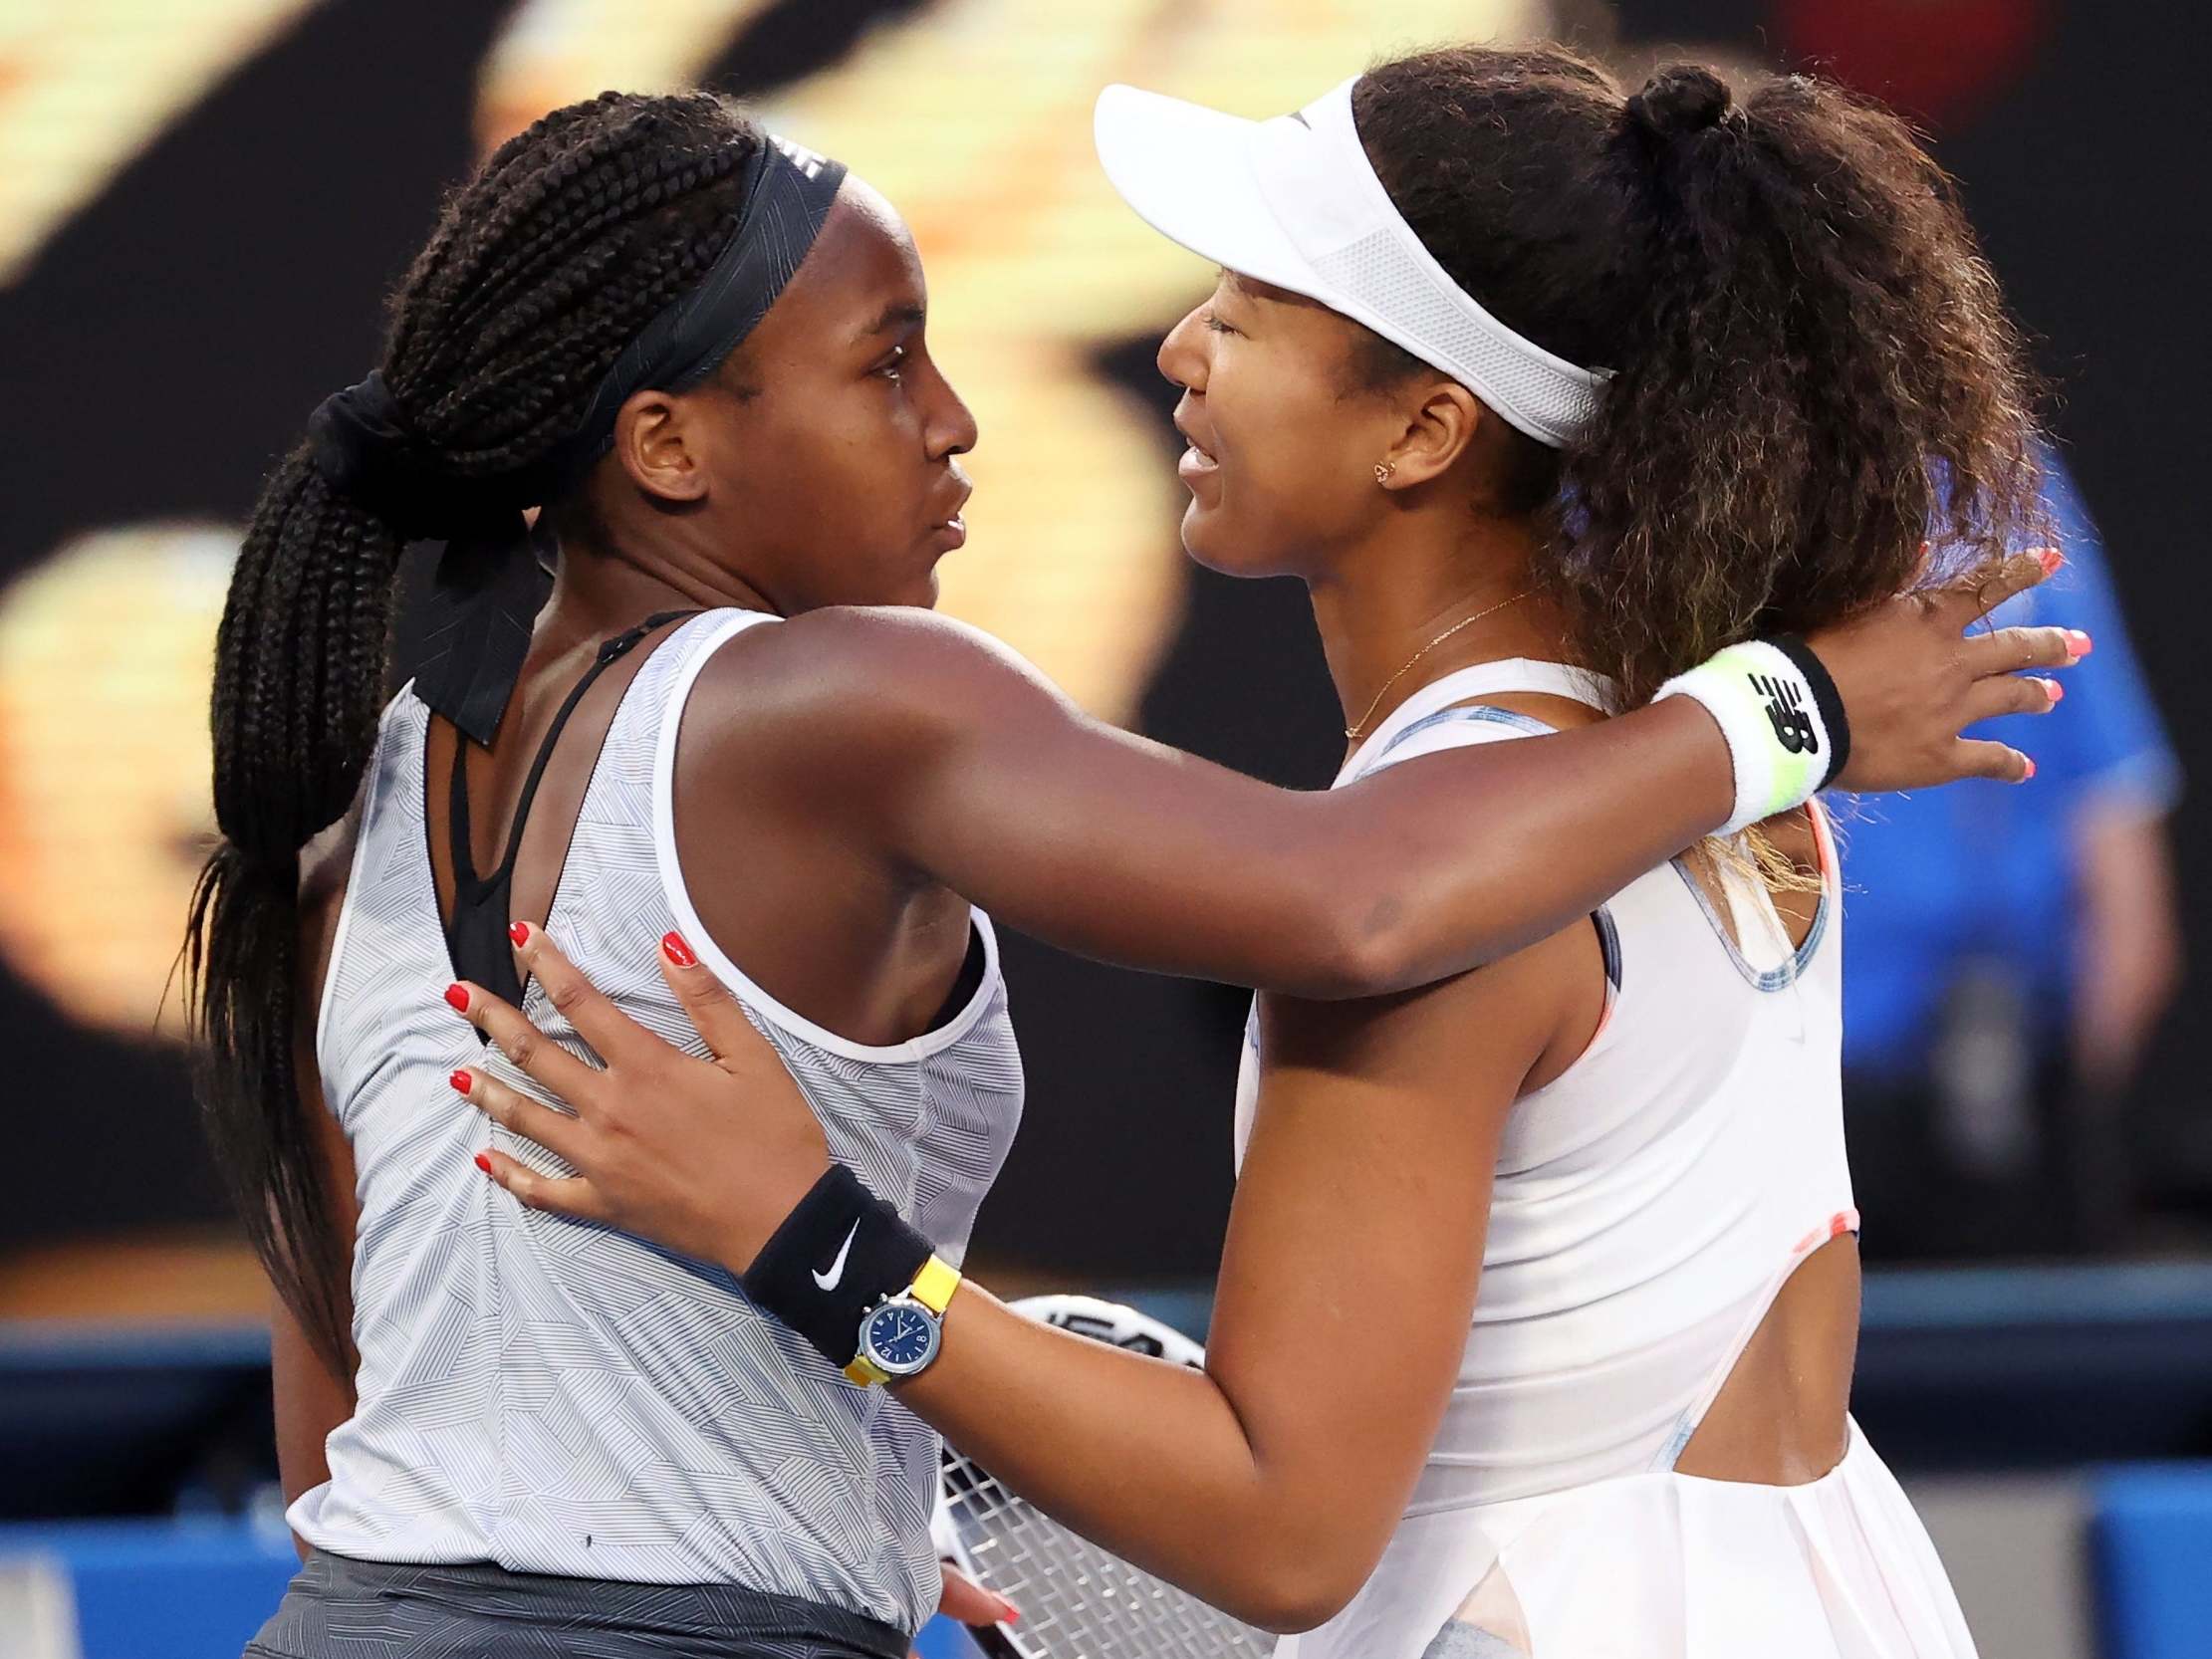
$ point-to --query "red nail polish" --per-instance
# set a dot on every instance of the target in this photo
(2049, 559)
(1012, 1616)
(2083, 644)
(2030, 772)
(679, 952)
(484, 1162)
(462, 1082)
(457, 994)
(519, 932)
(2057, 691)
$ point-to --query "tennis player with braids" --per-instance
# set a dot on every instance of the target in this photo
(1535, 1329)
(701, 355)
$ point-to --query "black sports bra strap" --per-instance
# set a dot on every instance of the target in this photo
(477, 934)
(457, 815)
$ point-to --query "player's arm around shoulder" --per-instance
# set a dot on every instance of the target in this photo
(949, 755)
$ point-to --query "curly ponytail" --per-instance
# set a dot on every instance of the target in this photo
(1812, 371)
(541, 269)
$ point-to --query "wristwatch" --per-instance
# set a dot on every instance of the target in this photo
(900, 1334)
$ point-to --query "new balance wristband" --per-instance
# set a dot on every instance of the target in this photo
(1785, 726)
(835, 1256)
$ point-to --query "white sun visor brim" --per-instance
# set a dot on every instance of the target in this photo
(1294, 202)
(1187, 171)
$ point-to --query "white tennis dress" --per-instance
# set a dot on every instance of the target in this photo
(1648, 1205)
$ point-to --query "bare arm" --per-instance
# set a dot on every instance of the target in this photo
(310, 1400)
(946, 754)
(1270, 1483)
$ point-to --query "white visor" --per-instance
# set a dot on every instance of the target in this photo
(1294, 202)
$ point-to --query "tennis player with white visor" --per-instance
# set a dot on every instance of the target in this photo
(1536, 1316)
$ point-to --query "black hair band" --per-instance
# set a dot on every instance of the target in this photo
(489, 583)
(835, 1256)
(785, 196)
(361, 444)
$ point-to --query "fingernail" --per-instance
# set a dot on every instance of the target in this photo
(483, 1162)
(2083, 644)
(2057, 691)
(2049, 559)
(2030, 772)
(462, 1082)
(1008, 1612)
(679, 952)
(520, 933)
(457, 994)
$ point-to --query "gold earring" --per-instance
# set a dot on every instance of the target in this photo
(1384, 470)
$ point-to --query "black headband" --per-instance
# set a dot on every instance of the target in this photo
(364, 448)
(490, 583)
(785, 196)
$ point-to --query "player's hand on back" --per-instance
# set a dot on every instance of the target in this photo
(1912, 679)
(704, 1156)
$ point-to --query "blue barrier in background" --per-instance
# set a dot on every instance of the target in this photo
(162, 1590)
(2151, 1540)
(197, 1589)
(1973, 1367)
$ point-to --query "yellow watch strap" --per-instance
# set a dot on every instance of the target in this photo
(935, 1284)
(932, 1288)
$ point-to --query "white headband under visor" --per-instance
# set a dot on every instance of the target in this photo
(1294, 202)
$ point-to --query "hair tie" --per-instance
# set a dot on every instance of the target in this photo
(1680, 100)
(365, 450)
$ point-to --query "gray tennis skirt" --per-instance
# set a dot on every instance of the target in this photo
(339, 1608)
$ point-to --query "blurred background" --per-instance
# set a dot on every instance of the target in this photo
(202, 203)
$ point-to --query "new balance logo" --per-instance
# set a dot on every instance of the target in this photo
(1792, 727)
(809, 161)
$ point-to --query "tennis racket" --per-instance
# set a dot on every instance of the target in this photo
(1077, 1601)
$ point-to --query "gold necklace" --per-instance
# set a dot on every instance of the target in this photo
(1352, 732)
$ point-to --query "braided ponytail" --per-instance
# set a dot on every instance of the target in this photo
(541, 269)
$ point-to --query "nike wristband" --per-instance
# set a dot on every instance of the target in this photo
(1784, 723)
(835, 1256)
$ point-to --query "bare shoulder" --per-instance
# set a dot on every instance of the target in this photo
(854, 680)
(1507, 1019)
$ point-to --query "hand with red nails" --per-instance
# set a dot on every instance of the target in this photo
(705, 1155)
(726, 1146)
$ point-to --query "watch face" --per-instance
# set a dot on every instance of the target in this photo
(900, 1338)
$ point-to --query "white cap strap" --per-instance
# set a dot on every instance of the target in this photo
(1295, 202)
(1314, 177)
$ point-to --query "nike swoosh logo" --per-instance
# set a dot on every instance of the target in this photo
(829, 1281)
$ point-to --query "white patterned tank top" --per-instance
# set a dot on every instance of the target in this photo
(562, 1398)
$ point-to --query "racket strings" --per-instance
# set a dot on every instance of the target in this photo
(1080, 1601)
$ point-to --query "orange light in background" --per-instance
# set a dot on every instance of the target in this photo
(972, 116)
(106, 651)
(85, 85)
